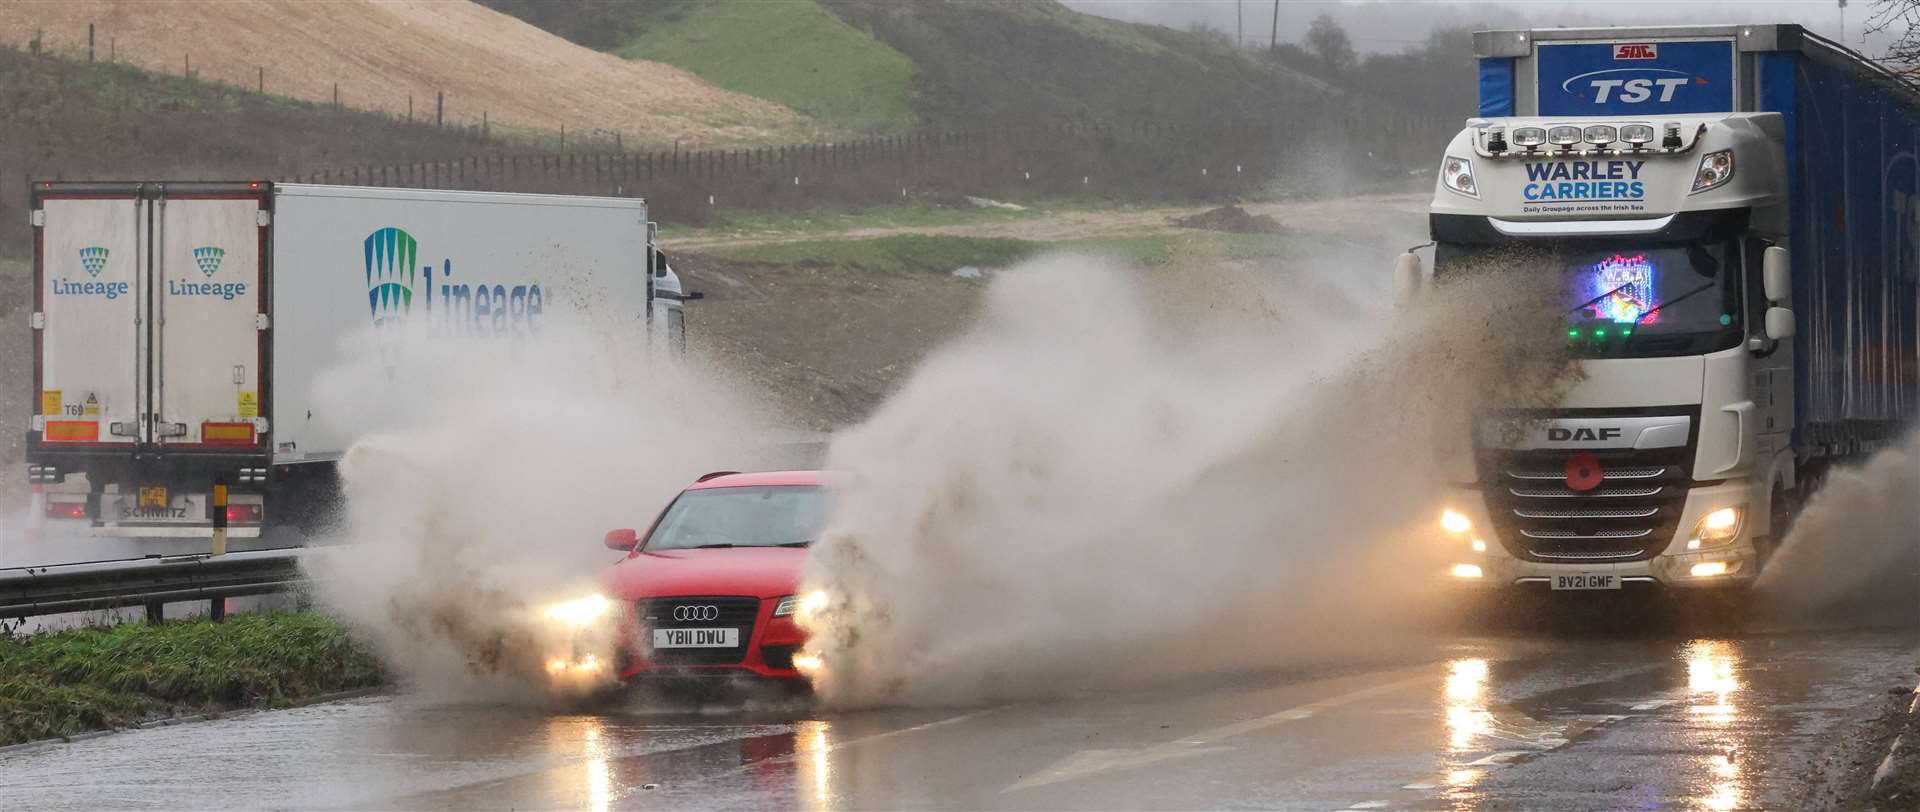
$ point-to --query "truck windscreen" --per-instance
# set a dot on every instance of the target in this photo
(1627, 300)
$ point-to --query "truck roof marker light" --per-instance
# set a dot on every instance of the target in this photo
(1529, 137)
(1672, 140)
(1564, 136)
(1637, 135)
(1497, 139)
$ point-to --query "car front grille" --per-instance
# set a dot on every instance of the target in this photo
(731, 612)
(1630, 516)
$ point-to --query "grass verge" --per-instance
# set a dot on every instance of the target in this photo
(927, 253)
(68, 682)
(792, 52)
(900, 254)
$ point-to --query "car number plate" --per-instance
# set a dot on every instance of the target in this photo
(696, 638)
(1586, 580)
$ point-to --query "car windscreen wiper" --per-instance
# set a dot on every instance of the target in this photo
(716, 546)
(1595, 300)
(801, 543)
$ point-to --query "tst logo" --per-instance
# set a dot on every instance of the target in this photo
(1629, 85)
(1635, 50)
(1559, 434)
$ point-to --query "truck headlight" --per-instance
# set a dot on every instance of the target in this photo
(1715, 529)
(1457, 175)
(1716, 168)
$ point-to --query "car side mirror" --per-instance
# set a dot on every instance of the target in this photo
(623, 539)
(1407, 279)
(1775, 275)
(1779, 323)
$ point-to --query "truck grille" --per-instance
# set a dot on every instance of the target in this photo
(1631, 516)
(734, 612)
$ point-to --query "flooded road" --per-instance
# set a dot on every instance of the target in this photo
(1526, 721)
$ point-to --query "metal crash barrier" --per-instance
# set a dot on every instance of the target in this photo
(152, 582)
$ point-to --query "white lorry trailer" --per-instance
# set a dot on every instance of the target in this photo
(1736, 216)
(180, 329)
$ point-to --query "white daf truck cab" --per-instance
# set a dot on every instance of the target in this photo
(1734, 230)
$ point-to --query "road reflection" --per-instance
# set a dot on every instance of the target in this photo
(813, 742)
(571, 737)
(1468, 719)
(1713, 688)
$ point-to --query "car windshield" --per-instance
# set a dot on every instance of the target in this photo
(1625, 300)
(763, 516)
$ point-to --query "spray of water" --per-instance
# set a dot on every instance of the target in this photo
(497, 468)
(1853, 555)
(1119, 476)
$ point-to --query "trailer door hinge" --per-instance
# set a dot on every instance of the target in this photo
(263, 218)
(39, 320)
(38, 218)
(261, 426)
(38, 423)
(261, 321)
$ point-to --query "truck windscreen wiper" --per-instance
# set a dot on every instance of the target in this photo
(1656, 308)
(1591, 302)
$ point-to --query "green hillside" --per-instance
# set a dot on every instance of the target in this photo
(793, 52)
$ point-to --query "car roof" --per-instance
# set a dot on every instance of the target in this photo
(762, 478)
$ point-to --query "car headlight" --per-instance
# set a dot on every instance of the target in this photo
(1454, 522)
(811, 602)
(1715, 529)
(579, 612)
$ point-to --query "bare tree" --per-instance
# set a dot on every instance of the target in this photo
(1901, 18)
(1328, 42)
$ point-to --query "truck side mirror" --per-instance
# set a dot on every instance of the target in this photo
(1775, 278)
(1779, 323)
(1407, 279)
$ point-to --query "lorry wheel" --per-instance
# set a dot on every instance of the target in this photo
(1782, 509)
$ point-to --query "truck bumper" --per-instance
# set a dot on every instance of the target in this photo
(1726, 566)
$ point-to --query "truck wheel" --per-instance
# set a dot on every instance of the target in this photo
(1782, 509)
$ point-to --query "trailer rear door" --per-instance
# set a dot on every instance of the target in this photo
(91, 249)
(208, 350)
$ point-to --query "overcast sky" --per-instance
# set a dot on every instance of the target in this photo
(1391, 25)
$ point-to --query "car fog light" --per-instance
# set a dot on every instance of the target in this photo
(1479, 546)
(1466, 571)
(1454, 523)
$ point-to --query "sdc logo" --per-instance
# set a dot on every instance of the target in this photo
(1636, 50)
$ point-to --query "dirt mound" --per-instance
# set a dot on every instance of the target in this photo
(382, 53)
(1231, 219)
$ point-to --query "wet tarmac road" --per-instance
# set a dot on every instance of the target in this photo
(1510, 722)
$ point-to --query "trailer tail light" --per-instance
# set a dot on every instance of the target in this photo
(245, 514)
(72, 431)
(66, 510)
(226, 433)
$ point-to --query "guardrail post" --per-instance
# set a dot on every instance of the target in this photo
(217, 609)
(156, 613)
(218, 506)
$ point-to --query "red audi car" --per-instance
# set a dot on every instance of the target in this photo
(713, 583)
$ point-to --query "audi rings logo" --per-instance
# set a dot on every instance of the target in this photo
(703, 612)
